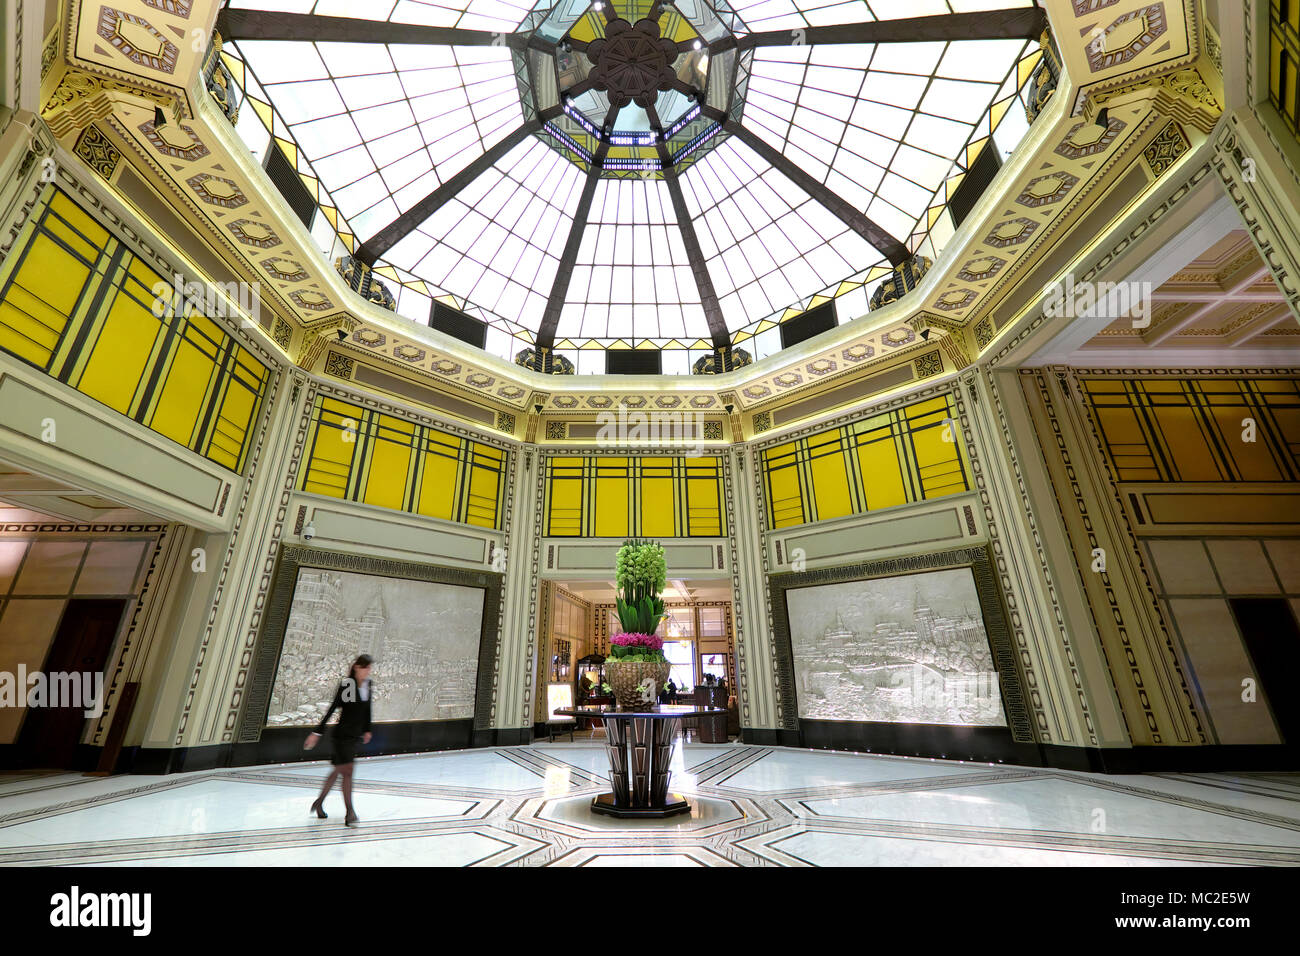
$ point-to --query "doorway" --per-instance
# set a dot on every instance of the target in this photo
(1272, 637)
(50, 735)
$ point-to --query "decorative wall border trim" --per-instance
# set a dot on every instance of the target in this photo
(412, 414)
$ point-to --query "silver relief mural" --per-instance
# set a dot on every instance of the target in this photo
(423, 636)
(905, 649)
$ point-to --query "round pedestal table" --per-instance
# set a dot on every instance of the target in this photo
(639, 744)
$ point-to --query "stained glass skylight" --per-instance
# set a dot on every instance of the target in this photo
(628, 174)
(632, 278)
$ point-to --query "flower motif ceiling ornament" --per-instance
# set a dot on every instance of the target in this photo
(632, 63)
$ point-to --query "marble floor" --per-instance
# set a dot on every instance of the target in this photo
(753, 806)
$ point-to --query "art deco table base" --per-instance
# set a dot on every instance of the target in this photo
(640, 749)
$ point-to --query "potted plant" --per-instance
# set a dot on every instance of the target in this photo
(637, 654)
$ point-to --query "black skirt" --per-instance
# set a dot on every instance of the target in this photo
(345, 749)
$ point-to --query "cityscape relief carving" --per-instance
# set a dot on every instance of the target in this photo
(905, 649)
(423, 636)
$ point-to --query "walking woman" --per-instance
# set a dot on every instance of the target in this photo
(352, 701)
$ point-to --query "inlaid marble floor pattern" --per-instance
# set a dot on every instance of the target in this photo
(753, 806)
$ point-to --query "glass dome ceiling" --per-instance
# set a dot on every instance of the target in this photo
(630, 174)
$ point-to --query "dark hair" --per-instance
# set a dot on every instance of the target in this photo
(364, 660)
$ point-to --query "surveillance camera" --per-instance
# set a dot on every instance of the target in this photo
(308, 531)
(537, 409)
(342, 334)
(730, 408)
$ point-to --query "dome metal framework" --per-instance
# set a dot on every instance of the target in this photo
(633, 173)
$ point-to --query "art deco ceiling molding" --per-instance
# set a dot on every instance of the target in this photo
(1124, 42)
(133, 48)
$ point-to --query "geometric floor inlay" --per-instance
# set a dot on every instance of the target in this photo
(751, 806)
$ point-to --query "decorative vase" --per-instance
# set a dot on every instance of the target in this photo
(626, 676)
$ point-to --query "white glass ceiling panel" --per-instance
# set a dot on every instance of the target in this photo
(498, 243)
(768, 244)
(882, 125)
(632, 277)
(382, 127)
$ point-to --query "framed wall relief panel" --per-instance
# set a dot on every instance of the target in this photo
(432, 632)
(902, 655)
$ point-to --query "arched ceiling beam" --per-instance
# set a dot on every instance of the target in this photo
(1022, 23)
(560, 287)
(395, 231)
(237, 24)
(892, 249)
(690, 242)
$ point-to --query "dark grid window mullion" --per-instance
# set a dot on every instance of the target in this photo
(460, 504)
(909, 467)
(1267, 426)
(1220, 452)
(681, 497)
(1151, 431)
(807, 489)
(633, 505)
(223, 363)
(587, 519)
(950, 418)
(359, 472)
(414, 469)
(849, 452)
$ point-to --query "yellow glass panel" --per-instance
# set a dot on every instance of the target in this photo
(484, 486)
(612, 499)
(830, 479)
(96, 234)
(565, 519)
(120, 352)
(438, 479)
(234, 420)
(1254, 459)
(882, 473)
(658, 509)
(938, 463)
(1191, 453)
(40, 300)
(1129, 452)
(786, 506)
(390, 458)
(332, 448)
(704, 515)
(180, 402)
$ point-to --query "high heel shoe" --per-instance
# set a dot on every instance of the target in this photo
(319, 810)
(351, 820)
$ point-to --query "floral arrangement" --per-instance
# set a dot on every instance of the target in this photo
(636, 648)
(641, 574)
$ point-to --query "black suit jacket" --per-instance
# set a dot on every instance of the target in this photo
(354, 713)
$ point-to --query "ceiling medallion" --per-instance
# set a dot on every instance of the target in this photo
(632, 63)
